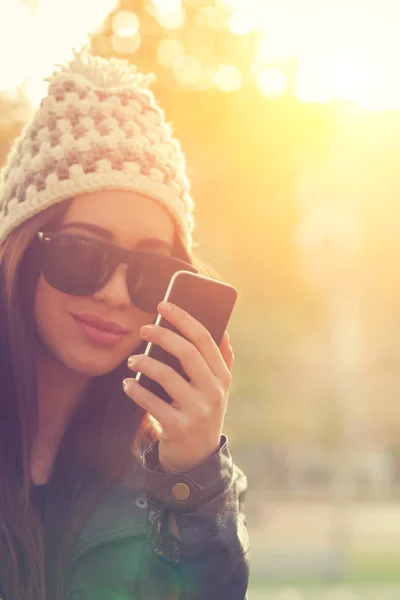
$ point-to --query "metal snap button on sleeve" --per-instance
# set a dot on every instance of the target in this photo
(141, 502)
(181, 492)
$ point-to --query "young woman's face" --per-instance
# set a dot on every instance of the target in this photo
(127, 220)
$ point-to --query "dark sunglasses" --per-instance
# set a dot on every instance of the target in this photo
(80, 266)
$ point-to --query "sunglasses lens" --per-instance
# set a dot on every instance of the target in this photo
(149, 279)
(74, 266)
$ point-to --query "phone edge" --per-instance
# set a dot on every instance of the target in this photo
(159, 317)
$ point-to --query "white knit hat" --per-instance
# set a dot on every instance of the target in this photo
(98, 128)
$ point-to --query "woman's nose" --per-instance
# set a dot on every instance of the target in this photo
(115, 291)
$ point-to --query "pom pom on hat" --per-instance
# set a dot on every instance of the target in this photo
(98, 127)
(102, 73)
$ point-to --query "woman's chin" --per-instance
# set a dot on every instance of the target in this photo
(93, 367)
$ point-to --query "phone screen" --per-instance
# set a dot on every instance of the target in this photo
(209, 301)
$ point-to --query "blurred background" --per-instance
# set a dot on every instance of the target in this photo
(288, 113)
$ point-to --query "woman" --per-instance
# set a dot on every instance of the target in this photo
(106, 491)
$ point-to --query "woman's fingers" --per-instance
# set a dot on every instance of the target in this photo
(170, 419)
(198, 335)
(174, 384)
(189, 356)
(192, 423)
(226, 351)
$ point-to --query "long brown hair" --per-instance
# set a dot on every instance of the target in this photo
(96, 448)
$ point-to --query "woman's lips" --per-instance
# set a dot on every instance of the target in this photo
(98, 336)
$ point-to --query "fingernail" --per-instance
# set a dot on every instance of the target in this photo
(146, 330)
(165, 306)
(131, 361)
(128, 384)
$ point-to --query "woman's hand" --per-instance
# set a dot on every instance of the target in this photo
(192, 423)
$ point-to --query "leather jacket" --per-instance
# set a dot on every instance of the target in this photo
(127, 552)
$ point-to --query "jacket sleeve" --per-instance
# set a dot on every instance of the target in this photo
(212, 555)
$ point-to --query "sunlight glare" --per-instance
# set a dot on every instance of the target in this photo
(15, 23)
(274, 47)
(242, 20)
(343, 49)
(272, 82)
(350, 76)
(58, 26)
(336, 49)
(312, 82)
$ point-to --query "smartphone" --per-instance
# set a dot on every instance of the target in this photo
(209, 301)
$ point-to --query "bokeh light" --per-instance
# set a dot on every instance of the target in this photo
(125, 23)
(170, 13)
(187, 69)
(169, 51)
(211, 17)
(242, 21)
(206, 79)
(345, 50)
(332, 53)
(228, 78)
(224, 6)
(201, 42)
(124, 44)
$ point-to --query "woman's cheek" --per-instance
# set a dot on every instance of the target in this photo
(61, 335)
(47, 312)
(57, 329)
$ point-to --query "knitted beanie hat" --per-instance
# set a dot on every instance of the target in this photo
(99, 127)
